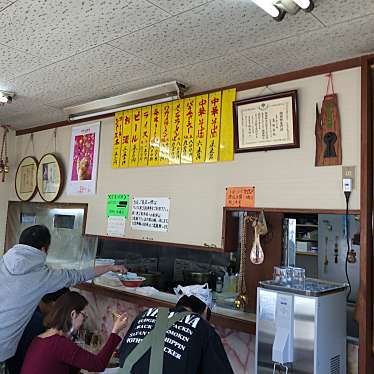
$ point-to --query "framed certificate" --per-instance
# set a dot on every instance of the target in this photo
(49, 177)
(25, 181)
(266, 123)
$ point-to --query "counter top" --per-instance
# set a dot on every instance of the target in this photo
(225, 317)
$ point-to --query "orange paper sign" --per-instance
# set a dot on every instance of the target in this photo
(240, 197)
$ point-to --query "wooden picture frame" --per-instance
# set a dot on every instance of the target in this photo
(50, 178)
(267, 122)
(25, 180)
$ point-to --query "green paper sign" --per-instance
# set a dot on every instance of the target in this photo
(117, 205)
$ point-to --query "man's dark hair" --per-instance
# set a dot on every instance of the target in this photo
(53, 296)
(37, 236)
(59, 317)
(193, 303)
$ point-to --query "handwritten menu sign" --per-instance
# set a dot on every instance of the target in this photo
(117, 205)
(150, 213)
(240, 197)
(267, 122)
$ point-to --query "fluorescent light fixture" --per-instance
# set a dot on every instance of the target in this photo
(146, 96)
(303, 4)
(268, 7)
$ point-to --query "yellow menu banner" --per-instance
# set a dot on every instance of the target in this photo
(226, 142)
(154, 144)
(165, 133)
(126, 139)
(188, 130)
(116, 150)
(191, 130)
(135, 137)
(214, 124)
(145, 136)
(176, 132)
(201, 125)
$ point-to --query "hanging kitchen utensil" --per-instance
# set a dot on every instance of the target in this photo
(325, 261)
(336, 250)
(4, 161)
(260, 228)
(327, 129)
(244, 223)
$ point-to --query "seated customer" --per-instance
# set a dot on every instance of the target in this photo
(55, 352)
(33, 329)
(177, 341)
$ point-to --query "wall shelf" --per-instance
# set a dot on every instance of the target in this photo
(307, 253)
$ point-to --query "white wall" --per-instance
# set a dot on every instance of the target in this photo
(6, 187)
(283, 178)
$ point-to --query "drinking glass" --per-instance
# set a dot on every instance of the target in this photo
(298, 277)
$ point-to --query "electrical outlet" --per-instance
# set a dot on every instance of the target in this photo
(349, 172)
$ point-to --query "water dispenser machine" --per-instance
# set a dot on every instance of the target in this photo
(301, 329)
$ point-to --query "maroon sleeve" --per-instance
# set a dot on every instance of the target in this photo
(73, 355)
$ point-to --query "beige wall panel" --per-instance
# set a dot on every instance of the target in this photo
(283, 178)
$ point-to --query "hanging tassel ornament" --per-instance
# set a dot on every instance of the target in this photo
(4, 161)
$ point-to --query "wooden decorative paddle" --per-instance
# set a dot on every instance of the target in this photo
(327, 130)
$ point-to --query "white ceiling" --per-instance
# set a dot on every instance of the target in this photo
(56, 53)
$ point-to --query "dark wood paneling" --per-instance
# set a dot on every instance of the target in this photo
(230, 239)
(217, 319)
(163, 244)
(272, 246)
(294, 210)
(366, 359)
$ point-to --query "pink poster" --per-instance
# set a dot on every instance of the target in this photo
(84, 149)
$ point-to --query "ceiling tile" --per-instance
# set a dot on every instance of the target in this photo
(5, 3)
(14, 62)
(177, 6)
(202, 76)
(209, 31)
(332, 11)
(58, 29)
(98, 67)
(335, 43)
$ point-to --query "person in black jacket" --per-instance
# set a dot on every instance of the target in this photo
(33, 329)
(179, 340)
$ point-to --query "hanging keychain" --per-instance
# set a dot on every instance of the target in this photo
(326, 261)
(336, 250)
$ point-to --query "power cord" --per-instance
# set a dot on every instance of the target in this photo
(347, 196)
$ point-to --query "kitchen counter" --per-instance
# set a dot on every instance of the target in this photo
(144, 296)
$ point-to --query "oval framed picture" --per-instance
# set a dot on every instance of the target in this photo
(26, 178)
(49, 177)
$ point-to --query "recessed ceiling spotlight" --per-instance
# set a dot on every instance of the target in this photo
(6, 97)
(278, 8)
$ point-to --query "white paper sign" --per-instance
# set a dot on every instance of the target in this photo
(150, 213)
(116, 226)
(84, 149)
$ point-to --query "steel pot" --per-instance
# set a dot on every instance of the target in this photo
(196, 277)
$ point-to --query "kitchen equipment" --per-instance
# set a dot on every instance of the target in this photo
(197, 277)
(301, 330)
(336, 249)
(260, 228)
(131, 281)
(325, 261)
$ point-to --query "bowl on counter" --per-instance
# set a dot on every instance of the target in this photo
(131, 281)
(197, 277)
